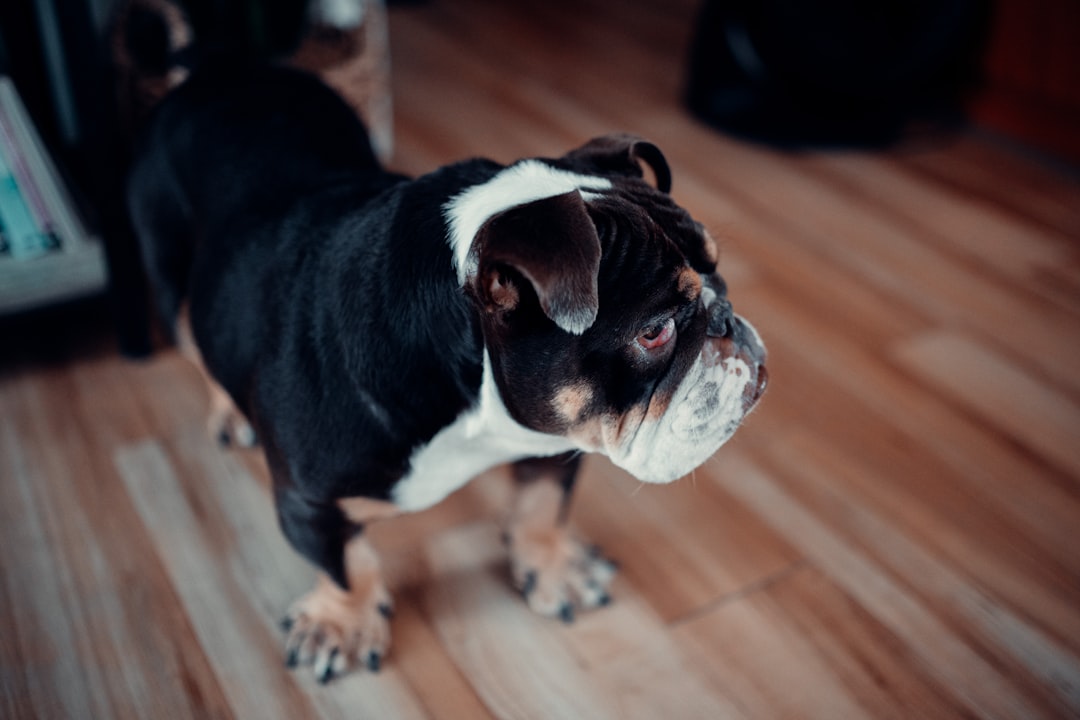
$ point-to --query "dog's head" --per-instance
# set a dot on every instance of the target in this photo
(604, 317)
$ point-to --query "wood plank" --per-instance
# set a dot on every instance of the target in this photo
(1020, 405)
(977, 233)
(629, 651)
(1004, 174)
(678, 545)
(524, 665)
(954, 591)
(980, 686)
(45, 643)
(243, 575)
(853, 392)
(136, 669)
(270, 574)
(514, 657)
(802, 648)
(223, 621)
(440, 686)
(793, 270)
(979, 502)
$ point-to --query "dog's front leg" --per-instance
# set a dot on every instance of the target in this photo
(225, 423)
(555, 571)
(345, 621)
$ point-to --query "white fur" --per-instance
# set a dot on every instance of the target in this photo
(523, 182)
(704, 413)
(478, 440)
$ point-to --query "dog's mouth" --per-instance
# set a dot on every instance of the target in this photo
(751, 399)
(741, 350)
(725, 383)
(752, 351)
(732, 345)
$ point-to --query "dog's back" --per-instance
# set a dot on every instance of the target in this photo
(234, 142)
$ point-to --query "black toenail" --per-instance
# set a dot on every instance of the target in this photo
(374, 661)
(530, 583)
(566, 613)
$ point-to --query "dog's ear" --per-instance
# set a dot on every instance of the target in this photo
(620, 154)
(553, 244)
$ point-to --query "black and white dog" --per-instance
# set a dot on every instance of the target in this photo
(388, 338)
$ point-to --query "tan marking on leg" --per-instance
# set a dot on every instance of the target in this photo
(225, 423)
(336, 630)
(537, 504)
(554, 570)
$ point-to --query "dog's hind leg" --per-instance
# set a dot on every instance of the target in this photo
(555, 571)
(224, 423)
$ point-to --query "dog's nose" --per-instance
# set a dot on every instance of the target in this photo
(716, 283)
(721, 320)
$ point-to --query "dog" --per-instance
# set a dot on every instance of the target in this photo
(386, 339)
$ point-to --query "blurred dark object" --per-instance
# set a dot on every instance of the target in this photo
(1031, 88)
(55, 52)
(800, 73)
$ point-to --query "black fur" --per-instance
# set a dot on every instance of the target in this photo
(257, 198)
(324, 298)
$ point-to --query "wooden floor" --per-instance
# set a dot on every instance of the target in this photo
(895, 533)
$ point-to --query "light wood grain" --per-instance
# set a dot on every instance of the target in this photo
(1000, 630)
(891, 535)
(982, 687)
(1021, 405)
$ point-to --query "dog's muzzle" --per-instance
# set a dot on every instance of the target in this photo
(736, 338)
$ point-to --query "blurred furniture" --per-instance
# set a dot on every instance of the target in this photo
(832, 72)
(46, 253)
(1032, 75)
(56, 54)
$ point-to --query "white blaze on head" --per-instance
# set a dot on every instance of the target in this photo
(521, 183)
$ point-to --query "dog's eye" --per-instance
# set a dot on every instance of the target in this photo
(658, 335)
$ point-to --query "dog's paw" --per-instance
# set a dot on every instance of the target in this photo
(229, 428)
(557, 574)
(335, 631)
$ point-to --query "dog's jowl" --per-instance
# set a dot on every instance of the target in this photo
(387, 338)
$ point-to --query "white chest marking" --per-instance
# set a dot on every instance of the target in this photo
(478, 440)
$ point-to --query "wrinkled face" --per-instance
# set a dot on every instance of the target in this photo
(604, 316)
